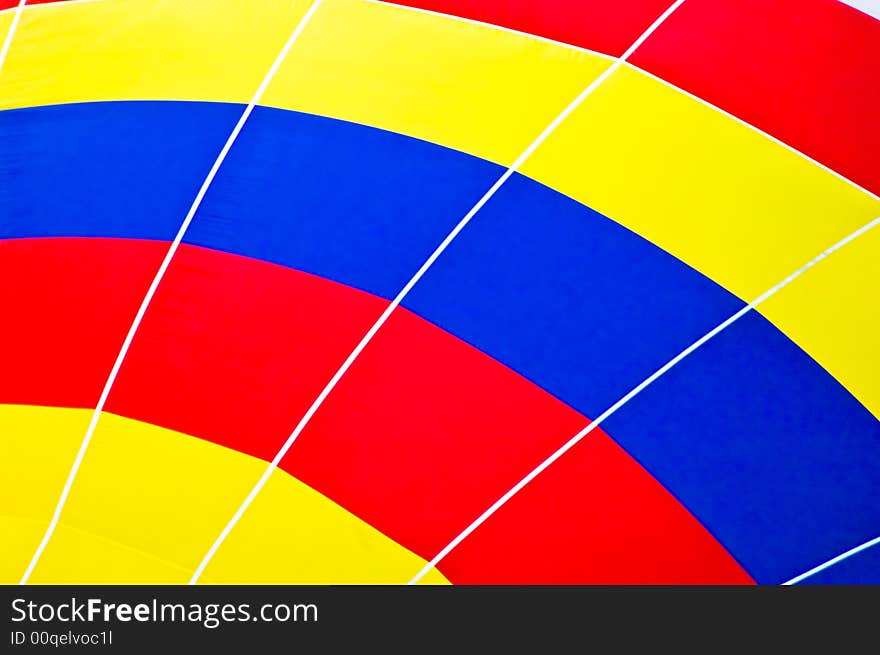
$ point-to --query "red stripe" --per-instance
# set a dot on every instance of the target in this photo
(421, 435)
(602, 25)
(234, 349)
(805, 71)
(67, 305)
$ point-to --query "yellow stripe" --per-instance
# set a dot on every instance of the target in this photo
(469, 87)
(743, 210)
(287, 536)
(145, 49)
(5, 23)
(33, 467)
(833, 313)
(148, 502)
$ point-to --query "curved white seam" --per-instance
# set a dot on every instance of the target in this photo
(633, 393)
(657, 78)
(365, 340)
(493, 26)
(832, 561)
(158, 278)
(7, 42)
(766, 135)
(49, 4)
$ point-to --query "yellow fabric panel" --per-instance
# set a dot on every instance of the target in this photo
(480, 90)
(145, 50)
(833, 313)
(32, 475)
(5, 23)
(741, 209)
(77, 556)
(148, 503)
(294, 539)
(465, 86)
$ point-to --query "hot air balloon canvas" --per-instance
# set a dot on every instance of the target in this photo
(440, 292)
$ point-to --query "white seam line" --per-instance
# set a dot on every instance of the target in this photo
(412, 282)
(754, 128)
(7, 42)
(158, 278)
(633, 393)
(639, 69)
(832, 562)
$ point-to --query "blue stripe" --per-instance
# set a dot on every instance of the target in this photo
(128, 170)
(350, 203)
(777, 460)
(566, 297)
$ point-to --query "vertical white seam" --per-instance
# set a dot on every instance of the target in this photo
(328, 388)
(157, 280)
(633, 393)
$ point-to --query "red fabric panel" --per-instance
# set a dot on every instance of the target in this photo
(234, 350)
(67, 305)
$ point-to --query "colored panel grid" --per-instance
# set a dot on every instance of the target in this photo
(605, 25)
(566, 297)
(594, 517)
(145, 50)
(421, 436)
(465, 86)
(225, 212)
(833, 313)
(771, 454)
(150, 522)
(700, 185)
(804, 71)
(294, 190)
(461, 428)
